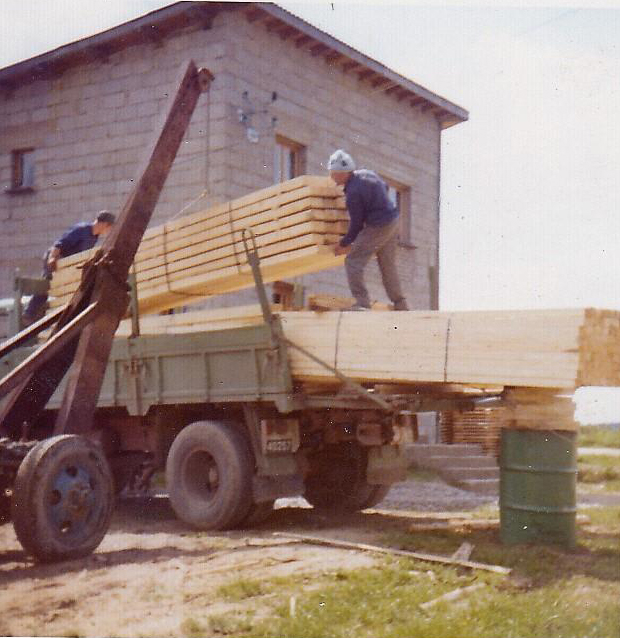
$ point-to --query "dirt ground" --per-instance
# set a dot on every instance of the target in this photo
(151, 572)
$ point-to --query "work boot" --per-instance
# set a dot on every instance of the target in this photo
(356, 307)
(401, 304)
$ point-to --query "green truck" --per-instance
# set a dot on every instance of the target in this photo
(219, 411)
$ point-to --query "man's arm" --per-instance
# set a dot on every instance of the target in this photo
(355, 206)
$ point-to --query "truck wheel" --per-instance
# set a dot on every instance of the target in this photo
(338, 481)
(209, 475)
(5, 503)
(259, 513)
(62, 498)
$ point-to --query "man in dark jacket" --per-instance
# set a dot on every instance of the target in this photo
(79, 237)
(373, 230)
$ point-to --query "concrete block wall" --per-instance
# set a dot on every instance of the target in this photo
(90, 127)
(321, 107)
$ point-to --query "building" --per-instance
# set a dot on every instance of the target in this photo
(74, 121)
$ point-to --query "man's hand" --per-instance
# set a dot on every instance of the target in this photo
(341, 250)
(52, 260)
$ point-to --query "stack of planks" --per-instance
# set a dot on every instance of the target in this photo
(537, 348)
(202, 254)
(531, 348)
(480, 426)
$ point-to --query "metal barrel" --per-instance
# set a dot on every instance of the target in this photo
(538, 487)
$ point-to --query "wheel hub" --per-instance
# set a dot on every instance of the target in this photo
(72, 499)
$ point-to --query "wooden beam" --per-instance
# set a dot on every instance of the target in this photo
(392, 89)
(430, 558)
(349, 66)
(416, 101)
(332, 57)
(539, 356)
(252, 15)
(317, 49)
(118, 252)
(274, 24)
(378, 82)
(286, 33)
(302, 40)
(366, 73)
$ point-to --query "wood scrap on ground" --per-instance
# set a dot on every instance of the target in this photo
(432, 558)
(451, 596)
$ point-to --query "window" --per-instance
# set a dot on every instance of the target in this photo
(401, 198)
(22, 170)
(289, 160)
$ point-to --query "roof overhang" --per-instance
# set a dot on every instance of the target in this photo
(154, 27)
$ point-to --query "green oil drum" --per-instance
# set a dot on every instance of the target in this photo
(538, 486)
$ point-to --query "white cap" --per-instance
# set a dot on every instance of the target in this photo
(340, 161)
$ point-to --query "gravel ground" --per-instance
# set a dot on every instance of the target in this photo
(437, 496)
(433, 496)
(420, 496)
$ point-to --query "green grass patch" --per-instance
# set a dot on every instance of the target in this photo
(604, 516)
(551, 592)
(241, 589)
(386, 601)
(599, 469)
(416, 474)
(598, 436)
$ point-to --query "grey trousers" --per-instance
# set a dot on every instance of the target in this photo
(383, 242)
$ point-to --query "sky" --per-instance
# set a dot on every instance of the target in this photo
(530, 187)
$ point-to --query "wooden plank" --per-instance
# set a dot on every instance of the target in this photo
(198, 320)
(412, 348)
(227, 247)
(233, 278)
(191, 275)
(201, 248)
(324, 302)
(432, 558)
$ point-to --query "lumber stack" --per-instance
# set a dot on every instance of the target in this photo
(480, 426)
(527, 348)
(536, 348)
(202, 254)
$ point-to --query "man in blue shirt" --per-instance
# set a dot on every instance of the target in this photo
(373, 230)
(80, 237)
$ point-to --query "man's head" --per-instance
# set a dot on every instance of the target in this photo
(340, 166)
(103, 223)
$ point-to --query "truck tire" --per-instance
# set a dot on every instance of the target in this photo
(338, 480)
(259, 513)
(209, 475)
(62, 499)
(5, 503)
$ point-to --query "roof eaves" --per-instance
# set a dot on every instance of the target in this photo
(100, 41)
(459, 114)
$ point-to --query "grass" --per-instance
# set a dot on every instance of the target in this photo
(241, 589)
(551, 592)
(598, 436)
(601, 470)
(416, 474)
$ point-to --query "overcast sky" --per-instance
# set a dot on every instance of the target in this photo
(530, 204)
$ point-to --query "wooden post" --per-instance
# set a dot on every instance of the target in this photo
(119, 249)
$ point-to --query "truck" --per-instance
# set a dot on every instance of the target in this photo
(218, 411)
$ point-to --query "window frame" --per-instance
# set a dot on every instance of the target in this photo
(22, 170)
(404, 206)
(296, 151)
